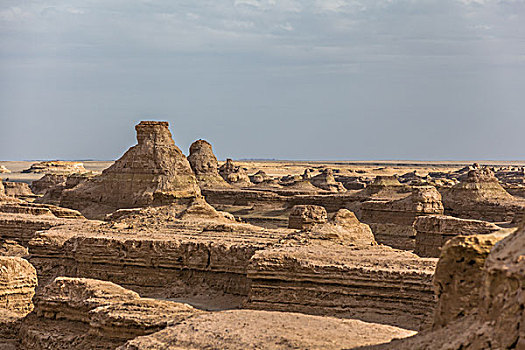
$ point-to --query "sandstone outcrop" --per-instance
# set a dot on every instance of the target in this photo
(385, 187)
(480, 196)
(304, 217)
(153, 172)
(17, 189)
(326, 181)
(480, 286)
(17, 285)
(84, 313)
(234, 174)
(433, 231)
(249, 329)
(374, 283)
(47, 182)
(391, 221)
(260, 177)
(205, 165)
(56, 167)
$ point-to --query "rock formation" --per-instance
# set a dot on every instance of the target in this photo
(391, 221)
(480, 284)
(153, 172)
(304, 217)
(86, 314)
(433, 231)
(4, 170)
(480, 196)
(17, 189)
(56, 167)
(326, 181)
(205, 165)
(259, 177)
(249, 329)
(233, 174)
(17, 285)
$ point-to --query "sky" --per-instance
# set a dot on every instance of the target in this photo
(265, 79)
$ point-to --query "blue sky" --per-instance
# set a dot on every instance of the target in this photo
(334, 79)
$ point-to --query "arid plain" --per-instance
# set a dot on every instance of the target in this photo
(168, 249)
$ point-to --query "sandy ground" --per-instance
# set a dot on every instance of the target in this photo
(281, 168)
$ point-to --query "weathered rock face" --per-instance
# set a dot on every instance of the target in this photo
(260, 177)
(2, 189)
(480, 196)
(153, 172)
(391, 221)
(56, 167)
(233, 174)
(250, 329)
(480, 283)
(17, 189)
(343, 227)
(84, 313)
(205, 165)
(17, 285)
(374, 284)
(385, 187)
(326, 181)
(304, 217)
(48, 181)
(433, 231)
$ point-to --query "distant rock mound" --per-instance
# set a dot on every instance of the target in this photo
(205, 165)
(234, 174)
(304, 217)
(260, 177)
(326, 181)
(56, 167)
(153, 172)
(4, 170)
(480, 196)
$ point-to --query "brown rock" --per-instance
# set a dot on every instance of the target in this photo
(205, 165)
(17, 189)
(17, 284)
(249, 329)
(153, 172)
(234, 174)
(304, 217)
(56, 167)
(433, 231)
(326, 181)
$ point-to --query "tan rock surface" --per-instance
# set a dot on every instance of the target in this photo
(153, 172)
(247, 329)
(205, 165)
(56, 167)
(17, 284)
(433, 231)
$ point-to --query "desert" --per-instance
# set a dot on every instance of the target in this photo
(157, 250)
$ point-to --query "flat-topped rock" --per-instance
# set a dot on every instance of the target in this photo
(327, 182)
(304, 217)
(153, 172)
(56, 167)
(250, 329)
(433, 231)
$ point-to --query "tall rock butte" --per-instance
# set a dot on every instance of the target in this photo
(205, 165)
(153, 172)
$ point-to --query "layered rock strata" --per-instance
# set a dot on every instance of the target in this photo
(480, 286)
(480, 196)
(433, 231)
(373, 283)
(391, 221)
(83, 313)
(326, 181)
(56, 167)
(17, 285)
(153, 172)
